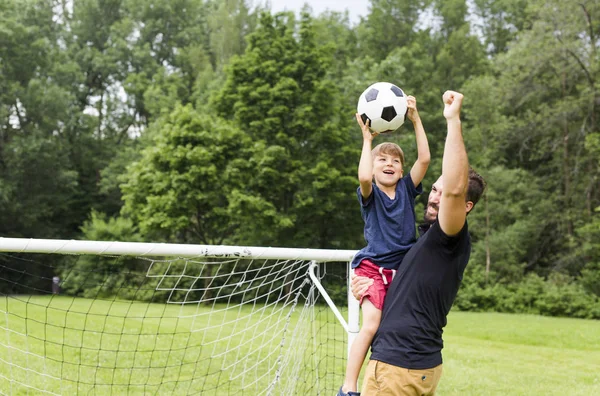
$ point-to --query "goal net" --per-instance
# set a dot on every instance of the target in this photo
(96, 318)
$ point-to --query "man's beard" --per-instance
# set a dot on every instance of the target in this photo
(427, 221)
(430, 219)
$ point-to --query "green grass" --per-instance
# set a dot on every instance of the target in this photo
(82, 346)
(504, 354)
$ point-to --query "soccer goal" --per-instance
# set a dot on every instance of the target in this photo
(96, 318)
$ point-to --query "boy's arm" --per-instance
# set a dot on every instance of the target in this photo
(365, 166)
(455, 169)
(417, 172)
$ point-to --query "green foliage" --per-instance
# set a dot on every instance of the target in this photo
(181, 187)
(589, 255)
(516, 207)
(557, 296)
(37, 187)
(500, 21)
(390, 24)
(333, 31)
(523, 297)
(278, 93)
(590, 278)
(101, 228)
(563, 297)
(461, 58)
(104, 277)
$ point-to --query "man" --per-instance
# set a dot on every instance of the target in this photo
(406, 354)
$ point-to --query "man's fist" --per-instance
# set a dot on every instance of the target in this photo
(452, 104)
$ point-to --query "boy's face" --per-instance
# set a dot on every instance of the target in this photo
(387, 169)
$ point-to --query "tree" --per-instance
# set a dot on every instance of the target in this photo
(302, 192)
(37, 180)
(181, 187)
(509, 228)
(590, 254)
(390, 24)
(549, 76)
(500, 22)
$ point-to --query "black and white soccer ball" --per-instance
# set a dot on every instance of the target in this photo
(384, 105)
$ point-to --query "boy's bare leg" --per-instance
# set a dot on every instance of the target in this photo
(360, 346)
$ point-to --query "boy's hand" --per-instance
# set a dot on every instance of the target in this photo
(452, 104)
(367, 134)
(412, 113)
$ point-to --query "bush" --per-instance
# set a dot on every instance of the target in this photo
(94, 276)
(560, 295)
(522, 297)
(480, 299)
(568, 299)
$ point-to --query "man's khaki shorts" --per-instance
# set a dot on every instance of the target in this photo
(386, 379)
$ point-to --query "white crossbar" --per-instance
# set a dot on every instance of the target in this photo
(26, 245)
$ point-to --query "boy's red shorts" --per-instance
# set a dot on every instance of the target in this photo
(382, 278)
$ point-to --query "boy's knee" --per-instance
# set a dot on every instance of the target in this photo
(370, 328)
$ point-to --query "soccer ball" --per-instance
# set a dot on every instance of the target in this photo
(384, 105)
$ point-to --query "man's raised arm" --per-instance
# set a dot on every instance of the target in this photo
(455, 169)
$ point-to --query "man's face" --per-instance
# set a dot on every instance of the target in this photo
(433, 202)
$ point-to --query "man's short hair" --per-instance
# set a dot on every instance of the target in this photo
(390, 149)
(476, 186)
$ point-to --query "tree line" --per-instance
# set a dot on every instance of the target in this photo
(219, 122)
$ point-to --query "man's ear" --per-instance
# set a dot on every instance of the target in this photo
(469, 206)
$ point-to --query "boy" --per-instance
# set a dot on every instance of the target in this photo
(387, 207)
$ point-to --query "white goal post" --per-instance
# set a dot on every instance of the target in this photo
(100, 317)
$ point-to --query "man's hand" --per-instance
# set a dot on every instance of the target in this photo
(412, 113)
(359, 285)
(366, 131)
(452, 104)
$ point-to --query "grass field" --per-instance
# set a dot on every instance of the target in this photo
(503, 354)
(62, 345)
(80, 346)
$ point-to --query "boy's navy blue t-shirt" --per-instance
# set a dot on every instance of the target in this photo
(389, 224)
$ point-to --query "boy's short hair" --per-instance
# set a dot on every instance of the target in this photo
(476, 186)
(390, 149)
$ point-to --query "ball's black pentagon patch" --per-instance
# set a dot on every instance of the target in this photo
(388, 113)
(388, 131)
(371, 95)
(397, 91)
(365, 119)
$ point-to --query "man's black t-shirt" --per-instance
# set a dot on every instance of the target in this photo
(419, 299)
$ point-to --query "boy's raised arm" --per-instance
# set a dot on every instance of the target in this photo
(419, 168)
(365, 166)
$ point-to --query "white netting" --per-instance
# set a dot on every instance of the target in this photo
(123, 325)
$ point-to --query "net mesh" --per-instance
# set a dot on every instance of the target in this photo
(88, 324)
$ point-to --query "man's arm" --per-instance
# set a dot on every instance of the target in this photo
(418, 170)
(365, 166)
(455, 169)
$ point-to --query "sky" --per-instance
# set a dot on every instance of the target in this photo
(356, 8)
